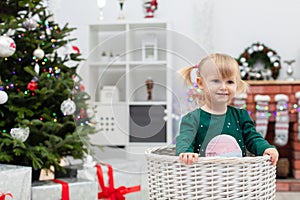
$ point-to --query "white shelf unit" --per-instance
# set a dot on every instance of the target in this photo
(131, 120)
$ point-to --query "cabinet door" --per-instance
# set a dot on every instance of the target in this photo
(147, 123)
(112, 125)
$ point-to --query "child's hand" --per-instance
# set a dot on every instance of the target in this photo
(188, 158)
(273, 153)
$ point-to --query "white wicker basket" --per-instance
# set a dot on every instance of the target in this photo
(211, 178)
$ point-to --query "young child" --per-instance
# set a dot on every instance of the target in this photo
(215, 128)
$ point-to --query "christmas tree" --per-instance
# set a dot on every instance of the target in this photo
(44, 115)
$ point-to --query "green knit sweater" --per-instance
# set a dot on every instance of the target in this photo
(198, 127)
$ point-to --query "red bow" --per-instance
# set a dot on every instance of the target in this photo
(111, 193)
(64, 190)
(3, 195)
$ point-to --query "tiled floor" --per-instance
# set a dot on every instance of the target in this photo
(287, 195)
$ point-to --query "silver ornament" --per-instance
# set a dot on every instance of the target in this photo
(20, 133)
(30, 24)
(68, 107)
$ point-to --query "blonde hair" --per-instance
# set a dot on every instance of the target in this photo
(226, 65)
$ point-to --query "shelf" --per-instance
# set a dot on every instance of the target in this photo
(116, 63)
(148, 62)
(98, 103)
(108, 77)
(274, 82)
(149, 24)
(111, 66)
(130, 60)
(147, 103)
(109, 27)
(141, 103)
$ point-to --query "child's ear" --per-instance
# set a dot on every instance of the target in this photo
(200, 83)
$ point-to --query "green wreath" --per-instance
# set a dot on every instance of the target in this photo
(259, 52)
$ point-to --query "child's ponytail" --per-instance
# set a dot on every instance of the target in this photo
(186, 74)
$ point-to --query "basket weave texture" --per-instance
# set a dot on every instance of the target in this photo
(211, 178)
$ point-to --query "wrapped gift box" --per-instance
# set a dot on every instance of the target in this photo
(15, 180)
(79, 189)
(126, 173)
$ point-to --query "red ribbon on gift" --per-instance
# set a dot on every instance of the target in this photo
(111, 193)
(65, 189)
(3, 195)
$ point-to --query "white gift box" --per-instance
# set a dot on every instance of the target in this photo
(127, 173)
(109, 94)
(15, 180)
(79, 189)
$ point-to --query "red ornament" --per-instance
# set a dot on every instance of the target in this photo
(75, 50)
(32, 86)
(82, 88)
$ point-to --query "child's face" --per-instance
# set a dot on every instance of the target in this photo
(217, 90)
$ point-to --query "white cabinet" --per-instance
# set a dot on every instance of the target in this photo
(123, 55)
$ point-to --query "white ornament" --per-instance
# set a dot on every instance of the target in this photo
(273, 59)
(276, 64)
(89, 112)
(76, 79)
(89, 162)
(20, 133)
(68, 107)
(255, 48)
(30, 24)
(245, 64)
(3, 97)
(243, 59)
(7, 46)
(270, 54)
(250, 51)
(37, 68)
(243, 74)
(48, 31)
(10, 32)
(39, 53)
